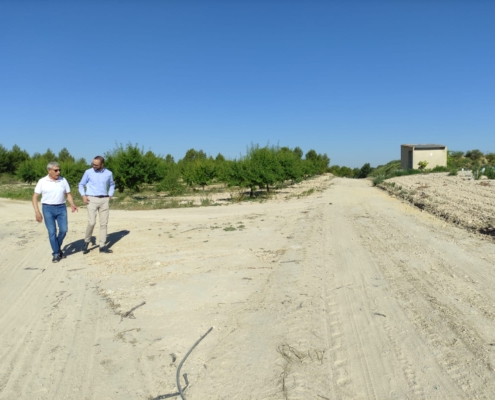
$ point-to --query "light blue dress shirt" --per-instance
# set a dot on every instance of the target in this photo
(98, 183)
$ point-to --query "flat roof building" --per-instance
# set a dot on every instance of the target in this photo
(434, 154)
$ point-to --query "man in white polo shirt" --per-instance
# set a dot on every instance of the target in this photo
(54, 189)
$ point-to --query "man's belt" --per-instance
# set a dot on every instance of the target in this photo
(100, 197)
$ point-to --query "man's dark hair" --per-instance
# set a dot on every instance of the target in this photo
(100, 159)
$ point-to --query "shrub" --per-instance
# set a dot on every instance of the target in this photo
(490, 172)
(378, 180)
(422, 165)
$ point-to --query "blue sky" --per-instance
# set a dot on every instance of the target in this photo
(353, 79)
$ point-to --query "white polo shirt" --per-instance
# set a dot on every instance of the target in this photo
(52, 192)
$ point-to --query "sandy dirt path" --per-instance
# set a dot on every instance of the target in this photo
(345, 294)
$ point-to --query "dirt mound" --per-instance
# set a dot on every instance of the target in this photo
(458, 199)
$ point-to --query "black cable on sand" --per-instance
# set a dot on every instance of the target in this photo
(184, 359)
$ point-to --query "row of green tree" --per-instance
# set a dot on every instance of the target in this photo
(469, 159)
(260, 167)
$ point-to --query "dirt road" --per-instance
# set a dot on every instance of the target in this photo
(345, 294)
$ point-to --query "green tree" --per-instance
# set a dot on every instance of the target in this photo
(236, 173)
(335, 170)
(264, 169)
(4, 159)
(15, 157)
(474, 155)
(30, 171)
(219, 158)
(128, 167)
(316, 164)
(298, 152)
(193, 155)
(65, 156)
(205, 171)
(455, 154)
(364, 171)
(49, 155)
(152, 163)
(73, 172)
(291, 165)
(346, 172)
(490, 158)
(171, 181)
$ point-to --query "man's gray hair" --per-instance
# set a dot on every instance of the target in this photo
(52, 164)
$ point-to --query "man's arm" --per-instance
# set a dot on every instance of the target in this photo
(82, 190)
(111, 186)
(71, 202)
(37, 213)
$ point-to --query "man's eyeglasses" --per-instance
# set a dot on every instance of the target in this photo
(96, 165)
(55, 170)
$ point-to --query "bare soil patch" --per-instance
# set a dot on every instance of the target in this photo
(340, 292)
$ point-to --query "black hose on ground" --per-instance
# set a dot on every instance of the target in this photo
(184, 359)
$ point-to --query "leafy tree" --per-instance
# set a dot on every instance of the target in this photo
(219, 158)
(169, 159)
(236, 173)
(263, 167)
(193, 155)
(490, 157)
(315, 163)
(73, 172)
(346, 172)
(4, 159)
(206, 172)
(64, 156)
(291, 165)
(128, 167)
(15, 157)
(171, 181)
(49, 155)
(455, 154)
(364, 171)
(474, 154)
(152, 163)
(31, 170)
(335, 170)
(298, 152)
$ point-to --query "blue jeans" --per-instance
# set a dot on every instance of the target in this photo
(58, 214)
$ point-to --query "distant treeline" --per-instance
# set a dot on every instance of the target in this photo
(260, 167)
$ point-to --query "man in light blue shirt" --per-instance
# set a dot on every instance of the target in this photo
(96, 188)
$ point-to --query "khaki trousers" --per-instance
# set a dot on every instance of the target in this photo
(97, 206)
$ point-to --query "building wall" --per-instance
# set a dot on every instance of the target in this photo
(404, 150)
(437, 157)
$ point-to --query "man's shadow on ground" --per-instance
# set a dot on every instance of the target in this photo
(77, 246)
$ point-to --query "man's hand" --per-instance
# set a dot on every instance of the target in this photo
(39, 217)
(74, 208)
(85, 199)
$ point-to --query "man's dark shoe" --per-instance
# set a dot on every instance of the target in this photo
(86, 248)
(56, 258)
(105, 250)
(62, 255)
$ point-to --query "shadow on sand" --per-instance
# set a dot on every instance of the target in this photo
(77, 246)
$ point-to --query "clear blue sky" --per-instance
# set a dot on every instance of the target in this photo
(353, 79)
